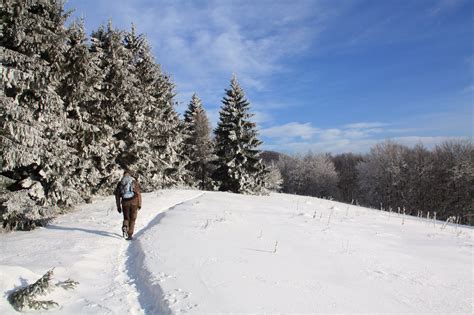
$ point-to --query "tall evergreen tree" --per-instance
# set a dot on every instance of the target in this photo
(33, 122)
(198, 145)
(168, 138)
(156, 146)
(239, 167)
(118, 97)
(79, 92)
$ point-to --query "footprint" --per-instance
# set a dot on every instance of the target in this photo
(184, 294)
(176, 296)
(162, 277)
(187, 308)
(170, 299)
(205, 225)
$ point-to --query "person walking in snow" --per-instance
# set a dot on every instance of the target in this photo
(129, 200)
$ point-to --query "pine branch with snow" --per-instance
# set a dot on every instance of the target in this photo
(25, 298)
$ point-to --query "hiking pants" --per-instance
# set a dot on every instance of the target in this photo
(130, 209)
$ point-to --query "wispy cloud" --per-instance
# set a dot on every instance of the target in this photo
(365, 125)
(469, 89)
(443, 6)
(355, 137)
(204, 43)
(289, 131)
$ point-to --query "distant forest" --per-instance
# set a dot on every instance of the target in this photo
(391, 177)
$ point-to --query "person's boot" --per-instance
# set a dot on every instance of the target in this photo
(125, 231)
(129, 238)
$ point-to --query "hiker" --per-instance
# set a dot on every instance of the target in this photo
(129, 201)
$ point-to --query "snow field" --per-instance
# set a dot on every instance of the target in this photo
(227, 253)
(212, 252)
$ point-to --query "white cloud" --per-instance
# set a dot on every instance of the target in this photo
(261, 117)
(355, 146)
(335, 146)
(330, 134)
(356, 137)
(290, 131)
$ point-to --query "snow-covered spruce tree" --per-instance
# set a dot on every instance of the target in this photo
(118, 97)
(239, 167)
(33, 150)
(155, 151)
(168, 138)
(198, 145)
(79, 90)
(138, 152)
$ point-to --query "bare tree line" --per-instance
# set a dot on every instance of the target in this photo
(389, 177)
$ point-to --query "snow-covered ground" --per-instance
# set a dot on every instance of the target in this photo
(209, 252)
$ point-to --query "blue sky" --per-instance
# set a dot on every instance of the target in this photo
(327, 76)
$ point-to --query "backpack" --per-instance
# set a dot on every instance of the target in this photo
(126, 187)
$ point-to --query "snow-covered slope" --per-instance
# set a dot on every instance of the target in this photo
(218, 252)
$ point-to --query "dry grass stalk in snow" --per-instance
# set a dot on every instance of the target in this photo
(450, 219)
(330, 215)
(276, 247)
